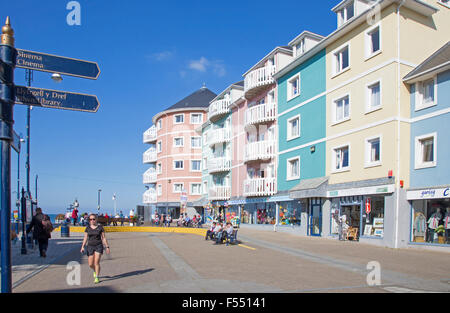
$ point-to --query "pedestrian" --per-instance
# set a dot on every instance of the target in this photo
(121, 218)
(94, 239)
(75, 216)
(42, 228)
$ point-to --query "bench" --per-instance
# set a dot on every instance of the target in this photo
(233, 238)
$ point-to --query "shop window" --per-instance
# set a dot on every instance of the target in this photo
(431, 221)
(373, 223)
(290, 213)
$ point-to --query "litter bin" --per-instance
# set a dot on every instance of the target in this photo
(65, 230)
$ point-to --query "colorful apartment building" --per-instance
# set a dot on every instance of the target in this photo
(429, 188)
(174, 178)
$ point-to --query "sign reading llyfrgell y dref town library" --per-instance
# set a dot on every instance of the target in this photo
(56, 64)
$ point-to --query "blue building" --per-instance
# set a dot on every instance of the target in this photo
(429, 193)
(301, 90)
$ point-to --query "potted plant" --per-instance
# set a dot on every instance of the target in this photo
(440, 231)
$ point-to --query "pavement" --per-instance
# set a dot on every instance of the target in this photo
(264, 262)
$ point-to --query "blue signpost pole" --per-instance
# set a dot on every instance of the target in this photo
(8, 55)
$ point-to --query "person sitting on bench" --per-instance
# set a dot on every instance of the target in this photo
(210, 232)
(218, 233)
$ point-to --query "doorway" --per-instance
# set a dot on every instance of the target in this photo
(353, 218)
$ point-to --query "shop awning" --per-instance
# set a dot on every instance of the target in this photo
(310, 188)
(200, 202)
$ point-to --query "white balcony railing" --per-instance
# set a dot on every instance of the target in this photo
(258, 187)
(260, 150)
(219, 136)
(218, 165)
(150, 135)
(261, 113)
(150, 156)
(150, 176)
(219, 108)
(149, 196)
(260, 77)
(218, 193)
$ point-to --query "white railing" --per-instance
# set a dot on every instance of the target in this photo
(259, 77)
(218, 108)
(150, 176)
(260, 150)
(217, 165)
(261, 113)
(257, 187)
(149, 196)
(150, 135)
(218, 193)
(218, 136)
(150, 156)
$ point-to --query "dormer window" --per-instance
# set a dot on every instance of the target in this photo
(300, 47)
(346, 13)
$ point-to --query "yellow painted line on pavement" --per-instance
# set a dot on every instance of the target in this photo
(144, 229)
(244, 246)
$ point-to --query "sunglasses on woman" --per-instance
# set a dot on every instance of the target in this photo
(92, 219)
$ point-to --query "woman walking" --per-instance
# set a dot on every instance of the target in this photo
(95, 238)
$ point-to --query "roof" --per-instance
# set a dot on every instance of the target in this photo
(285, 49)
(314, 187)
(436, 63)
(198, 99)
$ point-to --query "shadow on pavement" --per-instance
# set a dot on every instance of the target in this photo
(99, 289)
(124, 275)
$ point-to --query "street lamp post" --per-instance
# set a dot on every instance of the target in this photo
(98, 207)
(115, 210)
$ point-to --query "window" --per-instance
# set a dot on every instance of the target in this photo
(426, 94)
(159, 190)
(427, 218)
(196, 118)
(196, 189)
(373, 42)
(196, 142)
(341, 159)
(300, 47)
(342, 109)
(373, 151)
(373, 97)
(293, 127)
(159, 124)
(426, 150)
(178, 165)
(178, 187)
(205, 138)
(178, 142)
(293, 168)
(178, 119)
(159, 146)
(293, 87)
(341, 60)
(159, 168)
(205, 187)
(346, 13)
(196, 165)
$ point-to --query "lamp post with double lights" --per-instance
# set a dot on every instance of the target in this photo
(98, 207)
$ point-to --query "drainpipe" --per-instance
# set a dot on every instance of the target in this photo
(396, 238)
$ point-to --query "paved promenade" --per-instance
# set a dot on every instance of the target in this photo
(264, 262)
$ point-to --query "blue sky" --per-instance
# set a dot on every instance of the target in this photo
(151, 55)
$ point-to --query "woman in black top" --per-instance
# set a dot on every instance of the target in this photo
(95, 238)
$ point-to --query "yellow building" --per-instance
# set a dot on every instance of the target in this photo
(376, 44)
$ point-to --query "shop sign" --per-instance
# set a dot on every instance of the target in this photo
(361, 191)
(368, 205)
(429, 194)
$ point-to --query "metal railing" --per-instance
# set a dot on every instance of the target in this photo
(218, 193)
(218, 108)
(259, 77)
(257, 187)
(150, 156)
(217, 165)
(150, 135)
(260, 150)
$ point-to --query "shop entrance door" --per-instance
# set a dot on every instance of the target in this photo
(353, 217)
(315, 220)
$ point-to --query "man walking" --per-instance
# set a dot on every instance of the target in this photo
(42, 228)
(75, 216)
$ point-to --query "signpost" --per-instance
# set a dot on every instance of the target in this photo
(10, 58)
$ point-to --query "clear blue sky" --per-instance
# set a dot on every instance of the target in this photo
(151, 55)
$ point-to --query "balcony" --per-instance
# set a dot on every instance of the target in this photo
(219, 109)
(259, 187)
(150, 176)
(258, 80)
(150, 156)
(219, 165)
(260, 150)
(261, 113)
(150, 135)
(220, 135)
(218, 193)
(149, 197)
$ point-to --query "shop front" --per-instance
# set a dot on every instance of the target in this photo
(430, 216)
(359, 214)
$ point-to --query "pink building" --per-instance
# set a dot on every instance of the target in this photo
(175, 154)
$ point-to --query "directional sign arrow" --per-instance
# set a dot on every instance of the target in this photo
(55, 64)
(15, 143)
(48, 98)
